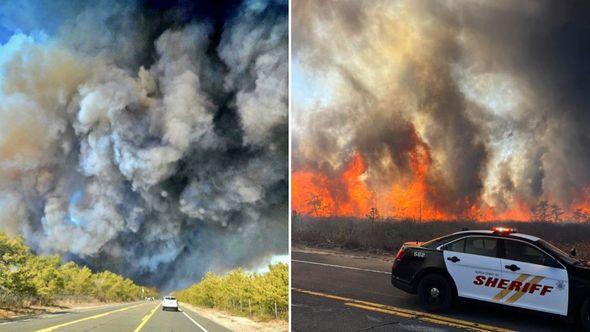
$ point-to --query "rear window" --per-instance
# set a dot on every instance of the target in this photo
(457, 246)
(482, 246)
(434, 243)
(169, 298)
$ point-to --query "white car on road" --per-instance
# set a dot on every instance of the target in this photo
(170, 302)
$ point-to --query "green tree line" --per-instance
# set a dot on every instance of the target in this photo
(26, 278)
(261, 296)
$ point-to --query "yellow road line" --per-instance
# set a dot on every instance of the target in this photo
(407, 313)
(53, 328)
(145, 319)
(385, 311)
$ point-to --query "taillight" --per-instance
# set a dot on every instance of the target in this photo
(400, 253)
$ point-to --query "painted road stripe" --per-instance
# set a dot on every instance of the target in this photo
(194, 321)
(407, 313)
(385, 311)
(53, 328)
(425, 319)
(340, 266)
(145, 319)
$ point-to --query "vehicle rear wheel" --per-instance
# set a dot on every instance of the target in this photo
(435, 293)
(585, 315)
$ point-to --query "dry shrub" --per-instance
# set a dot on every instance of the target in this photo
(389, 234)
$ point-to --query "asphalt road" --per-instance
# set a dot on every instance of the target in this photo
(340, 292)
(137, 316)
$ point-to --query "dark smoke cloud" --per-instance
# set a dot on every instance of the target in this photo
(497, 90)
(147, 137)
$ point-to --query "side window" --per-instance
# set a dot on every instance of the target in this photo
(522, 252)
(457, 246)
(483, 246)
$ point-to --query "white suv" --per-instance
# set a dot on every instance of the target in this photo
(169, 302)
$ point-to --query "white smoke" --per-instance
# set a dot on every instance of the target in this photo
(131, 165)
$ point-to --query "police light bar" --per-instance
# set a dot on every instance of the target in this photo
(503, 230)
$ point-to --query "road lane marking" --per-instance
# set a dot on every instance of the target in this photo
(145, 319)
(55, 327)
(449, 323)
(407, 313)
(397, 313)
(194, 321)
(340, 266)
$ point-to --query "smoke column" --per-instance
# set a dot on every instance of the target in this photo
(146, 137)
(441, 109)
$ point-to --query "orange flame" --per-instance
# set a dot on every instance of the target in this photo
(345, 193)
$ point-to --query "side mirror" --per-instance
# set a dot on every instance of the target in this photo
(573, 252)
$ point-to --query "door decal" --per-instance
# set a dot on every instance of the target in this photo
(505, 292)
(518, 287)
(534, 282)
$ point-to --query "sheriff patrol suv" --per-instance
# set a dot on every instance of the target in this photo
(500, 266)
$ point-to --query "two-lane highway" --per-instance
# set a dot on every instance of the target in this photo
(337, 291)
(133, 317)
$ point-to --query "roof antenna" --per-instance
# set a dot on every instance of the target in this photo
(465, 229)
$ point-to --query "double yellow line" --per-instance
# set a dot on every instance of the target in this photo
(141, 325)
(55, 327)
(407, 313)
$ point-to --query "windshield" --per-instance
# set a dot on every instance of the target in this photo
(558, 252)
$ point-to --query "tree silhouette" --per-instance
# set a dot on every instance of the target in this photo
(556, 212)
(541, 211)
(315, 204)
(581, 215)
(373, 214)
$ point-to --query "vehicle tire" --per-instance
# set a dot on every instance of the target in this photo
(435, 293)
(585, 315)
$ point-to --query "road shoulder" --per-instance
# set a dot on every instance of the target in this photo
(38, 310)
(236, 323)
(343, 252)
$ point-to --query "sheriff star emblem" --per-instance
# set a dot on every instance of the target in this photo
(560, 285)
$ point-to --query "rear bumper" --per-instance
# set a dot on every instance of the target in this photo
(400, 283)
(403, 285)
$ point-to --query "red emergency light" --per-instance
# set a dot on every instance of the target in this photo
(503, 230)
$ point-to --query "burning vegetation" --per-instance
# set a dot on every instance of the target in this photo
(429, 110)
(347, 195)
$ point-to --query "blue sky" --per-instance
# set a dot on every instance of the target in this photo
(4, 35)
(310, 88)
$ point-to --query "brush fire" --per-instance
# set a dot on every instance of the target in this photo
(429, 110)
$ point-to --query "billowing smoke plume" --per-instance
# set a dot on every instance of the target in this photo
(145, 138)
(455, 109)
